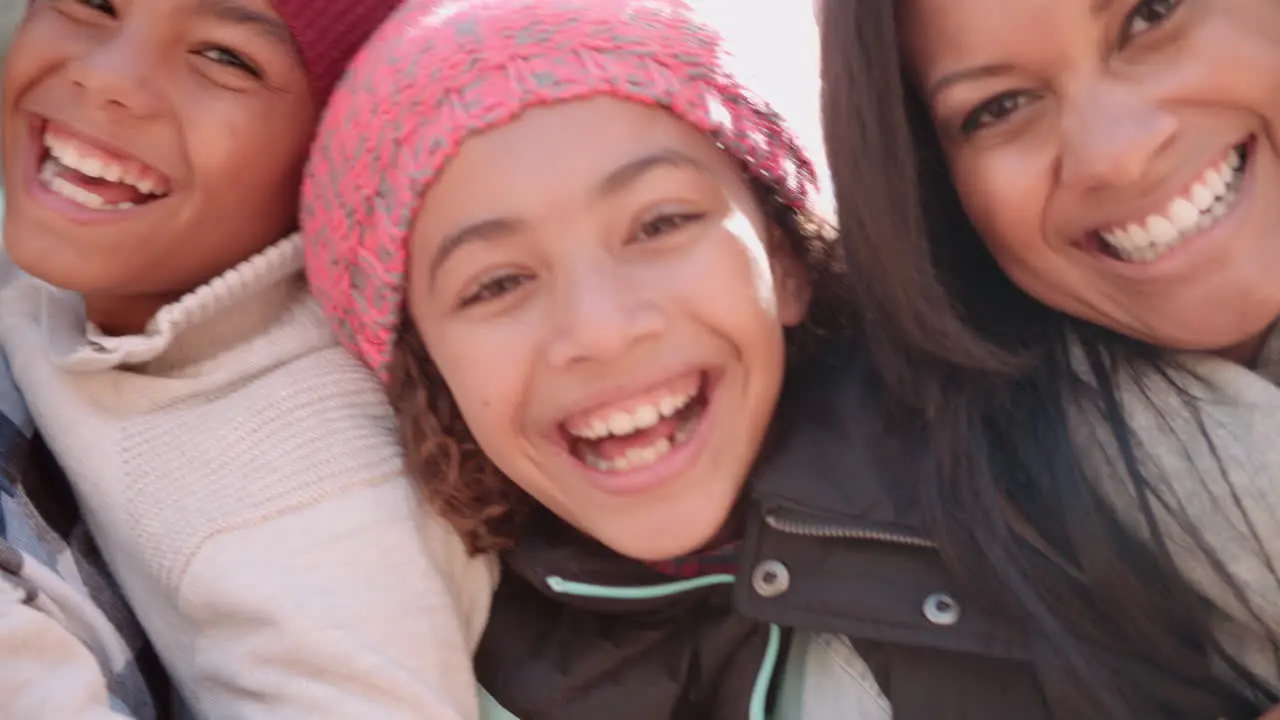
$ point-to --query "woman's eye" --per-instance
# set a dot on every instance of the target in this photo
(993, 111)
(494, 288)
(102, 6)
(1146, 15)
(81, 8)
(223, 56)
(664, 224)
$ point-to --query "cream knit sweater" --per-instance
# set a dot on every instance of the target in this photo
(242, 475)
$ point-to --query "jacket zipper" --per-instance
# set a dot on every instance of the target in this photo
(844, 532)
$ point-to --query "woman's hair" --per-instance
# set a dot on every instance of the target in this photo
(460, 481)
(987, 372)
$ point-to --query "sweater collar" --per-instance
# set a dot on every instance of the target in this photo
(224, 312)
(1269, 360)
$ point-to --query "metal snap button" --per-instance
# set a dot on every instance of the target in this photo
(941, 609)
(770, 579)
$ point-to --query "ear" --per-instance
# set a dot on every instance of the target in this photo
(790, 280)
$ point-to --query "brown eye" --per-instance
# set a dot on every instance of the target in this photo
(1148, 14)
(664, 224)
(494, 288)
(227, 58)
(101, 6)
(993, 111)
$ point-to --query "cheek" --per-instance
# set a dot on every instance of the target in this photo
(252, 148)
(485, 371)
(1005, 198)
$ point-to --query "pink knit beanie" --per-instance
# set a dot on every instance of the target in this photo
(440, 70)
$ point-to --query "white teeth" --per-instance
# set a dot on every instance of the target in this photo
(1184, 214)
(636, 458)
(1209, 199)
(1216, 182)
(1202, 197)
(1161, 230)
(75, 193)
(622, 424)
(69, 155)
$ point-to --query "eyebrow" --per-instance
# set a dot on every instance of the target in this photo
(979, 72)
(617, 180)
(982, 72)
(235, 13)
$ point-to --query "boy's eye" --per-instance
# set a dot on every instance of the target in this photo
(494, 288)
(664, 224)
(993, 111)
(228, 58)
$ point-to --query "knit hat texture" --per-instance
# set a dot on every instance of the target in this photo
(329, 32)
(439, 71)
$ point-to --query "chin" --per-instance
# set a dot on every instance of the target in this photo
(661, 541)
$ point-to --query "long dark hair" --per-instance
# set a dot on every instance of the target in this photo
(988, 373)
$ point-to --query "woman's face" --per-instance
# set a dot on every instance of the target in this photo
(1121, 158)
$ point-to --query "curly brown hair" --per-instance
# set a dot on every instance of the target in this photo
(460, 481)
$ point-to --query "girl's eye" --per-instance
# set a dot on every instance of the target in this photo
(664, 224)
(1146, 15)
(993, 111)
(225, 57)
(494, 288)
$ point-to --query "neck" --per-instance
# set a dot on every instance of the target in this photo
(124, 315)
(1248, 352)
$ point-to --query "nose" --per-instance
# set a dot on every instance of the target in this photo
(118, 74)
(602, 311)
(1111, 135)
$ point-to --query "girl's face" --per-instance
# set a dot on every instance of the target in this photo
(1121, 158)
(596, 284)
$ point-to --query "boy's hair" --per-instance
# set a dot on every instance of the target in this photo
(470, 492)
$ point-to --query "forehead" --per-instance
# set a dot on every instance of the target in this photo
(942, 31)
(257, 16)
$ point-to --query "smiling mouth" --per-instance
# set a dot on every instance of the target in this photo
(93, 178)
(1196, 210)
(639, 433)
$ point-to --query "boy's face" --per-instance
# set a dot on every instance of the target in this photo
(150, 144)
(594, 282)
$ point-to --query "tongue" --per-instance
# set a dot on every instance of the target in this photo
(612, 448)
(113, 193)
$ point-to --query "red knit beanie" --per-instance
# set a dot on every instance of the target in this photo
(328, 34)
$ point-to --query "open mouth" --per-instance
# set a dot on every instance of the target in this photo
(640, 432)
(1197, 209)
(94, 178)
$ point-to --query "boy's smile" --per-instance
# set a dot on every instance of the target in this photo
(79, 177)
(598, 287)
(149, 145)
